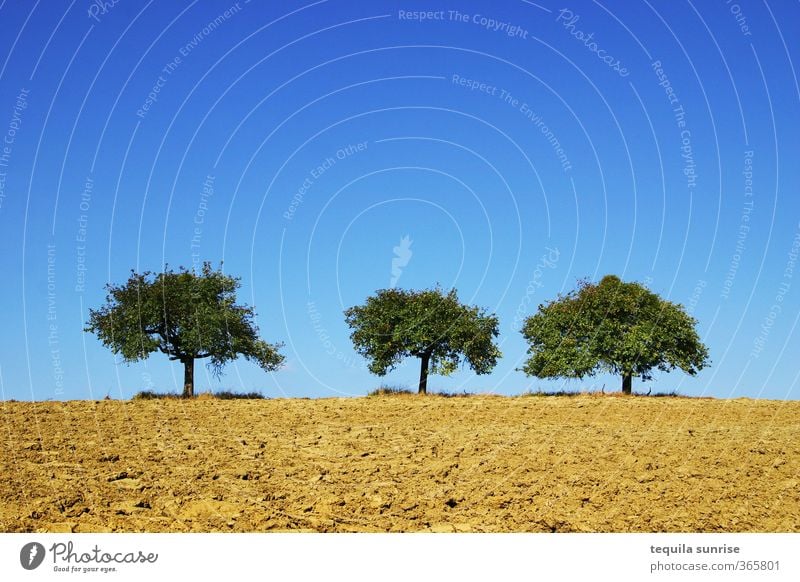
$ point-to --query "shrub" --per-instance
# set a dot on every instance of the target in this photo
(152, 395)
(228, 395)
(390, 391)
(224, 395)
(539, 392)
(462, 394)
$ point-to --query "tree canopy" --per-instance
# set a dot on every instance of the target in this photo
(430, 324)
(613, 326)
(184, 315)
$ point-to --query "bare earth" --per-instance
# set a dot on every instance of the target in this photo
(483, 464)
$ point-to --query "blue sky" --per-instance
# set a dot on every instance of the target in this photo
(518, 146)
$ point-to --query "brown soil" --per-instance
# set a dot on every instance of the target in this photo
(486, 464)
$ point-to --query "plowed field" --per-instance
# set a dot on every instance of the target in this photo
(403, 463)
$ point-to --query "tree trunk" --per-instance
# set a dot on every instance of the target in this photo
(423, 374)
(627, 383)
(188, 378)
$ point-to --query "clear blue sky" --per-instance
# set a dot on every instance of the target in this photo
(520, 146)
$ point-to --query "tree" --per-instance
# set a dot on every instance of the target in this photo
(430, 325)
(186, 316)
(621, 328)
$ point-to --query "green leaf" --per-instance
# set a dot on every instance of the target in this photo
(612, 326)
(184, 315)
(394, 324)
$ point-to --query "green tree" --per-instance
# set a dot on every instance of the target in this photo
(186, 316)
(430, 325)
(612, 326)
